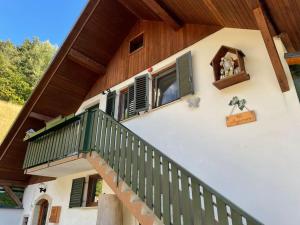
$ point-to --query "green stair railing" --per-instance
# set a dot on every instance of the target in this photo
(175, 195)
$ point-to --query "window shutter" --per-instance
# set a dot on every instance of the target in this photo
(110, 103)
(131, 105)
(77, 192)
(141, 93)
(185, 74)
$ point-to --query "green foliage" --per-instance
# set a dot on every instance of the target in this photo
(98, 187)
(21, 68)
(6, 201)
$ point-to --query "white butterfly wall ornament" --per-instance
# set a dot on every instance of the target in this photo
(193, 102)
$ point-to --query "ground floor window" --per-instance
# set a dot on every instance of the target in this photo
(94, 190)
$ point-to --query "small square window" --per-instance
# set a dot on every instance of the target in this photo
(94, 190)
(165, 87)
(136, 43)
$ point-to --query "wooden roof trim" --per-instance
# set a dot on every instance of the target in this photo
(86, 62)
(262, 24)
(40, 117)
(53, 67)
(163, 14)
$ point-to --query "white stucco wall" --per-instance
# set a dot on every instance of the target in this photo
(255, 165)
(10, 216)
(58, 193)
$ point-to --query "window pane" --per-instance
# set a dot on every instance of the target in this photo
(167, 89)
(295, 71)
(98, 189)
(123, 106)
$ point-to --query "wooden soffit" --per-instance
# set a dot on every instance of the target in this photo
(94, 39)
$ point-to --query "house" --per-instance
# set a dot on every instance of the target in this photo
(133, 124)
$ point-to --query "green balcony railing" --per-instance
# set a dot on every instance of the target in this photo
(54, 143)
(174, 194)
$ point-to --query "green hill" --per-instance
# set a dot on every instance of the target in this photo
(8, 113)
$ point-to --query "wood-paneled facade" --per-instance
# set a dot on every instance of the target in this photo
(160, 42)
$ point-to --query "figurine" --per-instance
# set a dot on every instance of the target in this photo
(227, 67)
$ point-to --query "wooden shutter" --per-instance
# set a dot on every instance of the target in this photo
(141, 92)
(55, 214)
(77, 192)
(110, 103)
(184, 72)
(131, 105)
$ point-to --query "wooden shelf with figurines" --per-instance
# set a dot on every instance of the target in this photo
(229, 67)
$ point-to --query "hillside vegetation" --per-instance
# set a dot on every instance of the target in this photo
(21, 67)
(8, 113)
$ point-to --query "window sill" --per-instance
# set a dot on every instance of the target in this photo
(85, 207)
(153, 109)
(89, 207)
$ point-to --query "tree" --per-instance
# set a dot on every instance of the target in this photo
(21, 67)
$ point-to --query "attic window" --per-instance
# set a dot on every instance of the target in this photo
(136, 43)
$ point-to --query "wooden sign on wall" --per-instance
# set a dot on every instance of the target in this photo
(55, 214)
(240, 118)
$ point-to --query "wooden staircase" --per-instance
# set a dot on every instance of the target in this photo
(154, 187)
(136, 206)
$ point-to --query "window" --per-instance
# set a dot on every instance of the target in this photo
(123, 104)
(173, 83)
(94, 190)
(110, 103)
(136, 43)
(6, 200)
(295, 71)
(126, 104)
(165, 87)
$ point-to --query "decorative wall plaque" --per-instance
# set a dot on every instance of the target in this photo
(240, 118)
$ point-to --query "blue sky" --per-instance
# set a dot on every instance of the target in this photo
(47, 19)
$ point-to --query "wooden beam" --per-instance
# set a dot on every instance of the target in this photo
(213, 9)
(163, 14)
(86, 62)
(13, 196)
(287, 42)
(15, 170)
(39, 179)
(292, 58)
(40, 117)
(270, 45)
(15, 183)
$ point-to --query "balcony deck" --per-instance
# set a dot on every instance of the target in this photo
(62, 167)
